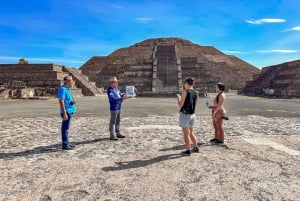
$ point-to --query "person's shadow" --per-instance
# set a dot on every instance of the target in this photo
(141, 163)
(180, 147)
(45, 149)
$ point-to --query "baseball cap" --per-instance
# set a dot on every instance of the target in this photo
(67, 78)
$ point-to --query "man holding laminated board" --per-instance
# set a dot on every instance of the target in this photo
(115, 100)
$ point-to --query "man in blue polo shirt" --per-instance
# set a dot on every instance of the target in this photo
(115, 99)
(67, 109)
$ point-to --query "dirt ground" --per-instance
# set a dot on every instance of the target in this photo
(144, 107)
(260, 160)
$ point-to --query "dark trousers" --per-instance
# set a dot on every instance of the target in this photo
(114, 125)
(65, 125)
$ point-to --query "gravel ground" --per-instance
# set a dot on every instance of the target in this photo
(259, 162)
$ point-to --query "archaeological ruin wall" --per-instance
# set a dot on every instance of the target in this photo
(40, 80)
(281, 80)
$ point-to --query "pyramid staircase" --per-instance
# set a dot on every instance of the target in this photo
(88, 88)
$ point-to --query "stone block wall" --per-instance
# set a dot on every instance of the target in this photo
(281, 80)
(205, 81)
(27, 80)
(31, 75)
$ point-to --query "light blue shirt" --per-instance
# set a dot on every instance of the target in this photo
(65, 93)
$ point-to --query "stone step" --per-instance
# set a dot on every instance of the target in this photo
(282, 78)
(79, 71)
(93, 83)
(88, 88)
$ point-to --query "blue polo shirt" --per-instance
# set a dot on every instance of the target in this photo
(65, 93)
(115, 99)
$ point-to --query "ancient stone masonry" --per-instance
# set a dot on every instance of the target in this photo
(281, 80)
(82, 81)
(37, 80)
(167, 73)
(158, 67)
(90, 65)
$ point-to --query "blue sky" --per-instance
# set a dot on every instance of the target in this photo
(69, 32)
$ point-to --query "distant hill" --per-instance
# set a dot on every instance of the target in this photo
(282, 80)
(159, 65)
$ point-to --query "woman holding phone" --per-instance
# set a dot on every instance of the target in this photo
(187, 103)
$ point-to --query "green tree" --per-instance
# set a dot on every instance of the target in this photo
(22, 61)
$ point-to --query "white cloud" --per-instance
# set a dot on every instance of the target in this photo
(232, 52)
(266, 20)
(278, 51)
(143, 19)
(296, 28)
(34, 59)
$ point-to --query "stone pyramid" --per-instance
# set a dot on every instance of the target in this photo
(281, 80)
(158, 66)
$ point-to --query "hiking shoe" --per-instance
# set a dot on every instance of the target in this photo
(67, 148)
(217, 142)
(213, 140)
(186, 152)
(195, 150)
(120, 136)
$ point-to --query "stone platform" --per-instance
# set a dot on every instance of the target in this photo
(41, 80)
(259, 162)
(280, 81)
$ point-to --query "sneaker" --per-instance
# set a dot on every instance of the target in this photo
(114, 139)
(213, 140)
(71, 145)
(186, 152)
(218, 142)
(120, 136)
(67, 148)
(195, 150)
